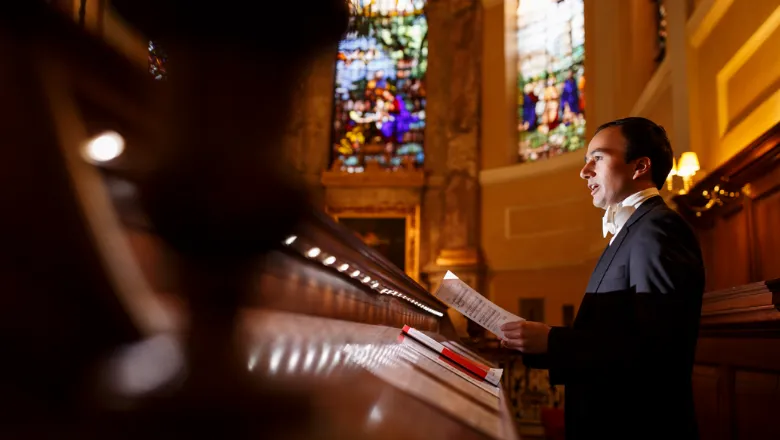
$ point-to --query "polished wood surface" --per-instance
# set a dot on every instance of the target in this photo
(334, 358)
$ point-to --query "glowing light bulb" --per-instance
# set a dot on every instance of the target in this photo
(105, 147)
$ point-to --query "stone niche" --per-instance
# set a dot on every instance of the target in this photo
(375, 196)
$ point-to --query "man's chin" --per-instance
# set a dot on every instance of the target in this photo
(598, 203)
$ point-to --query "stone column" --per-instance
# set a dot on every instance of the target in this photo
(307, 138)
(452, 199)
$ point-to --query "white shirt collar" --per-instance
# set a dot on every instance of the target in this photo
(615, 216)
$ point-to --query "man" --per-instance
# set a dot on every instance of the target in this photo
(626, 362)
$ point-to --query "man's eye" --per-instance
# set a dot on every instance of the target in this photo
(597, 158)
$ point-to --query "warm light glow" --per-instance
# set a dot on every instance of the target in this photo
(290, 240)
(688, 165)
(328, 261)
(366, 279)
(313, 252)
(343, 267)
(355, 274)
(673, 171)
(105, 147)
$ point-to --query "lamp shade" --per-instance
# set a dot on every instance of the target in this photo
(688, 164)
(673, 171)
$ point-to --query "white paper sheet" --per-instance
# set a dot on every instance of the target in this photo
(458, 295)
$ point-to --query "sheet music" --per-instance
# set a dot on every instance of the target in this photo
(458, 295)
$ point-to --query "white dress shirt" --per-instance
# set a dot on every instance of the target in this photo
(618, 214)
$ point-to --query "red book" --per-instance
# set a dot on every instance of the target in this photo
(491, 375)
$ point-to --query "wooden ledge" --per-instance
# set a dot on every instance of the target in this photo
(374, 178)
(750, 304)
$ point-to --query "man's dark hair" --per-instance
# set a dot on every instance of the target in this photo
(645, 138)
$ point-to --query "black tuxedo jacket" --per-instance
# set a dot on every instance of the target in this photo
(626, 363)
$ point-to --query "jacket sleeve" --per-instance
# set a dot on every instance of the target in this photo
(666, 283)
(538, 361)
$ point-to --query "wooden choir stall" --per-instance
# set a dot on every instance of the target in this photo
(736, 212)
(186, 286)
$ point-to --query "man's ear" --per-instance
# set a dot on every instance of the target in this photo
(641, 168)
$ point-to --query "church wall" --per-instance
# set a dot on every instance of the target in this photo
(735, 75)
(541, 236)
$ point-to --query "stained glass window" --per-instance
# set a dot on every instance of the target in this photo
(380, 98)
(551, 77)
(158, 60)
(660, 19)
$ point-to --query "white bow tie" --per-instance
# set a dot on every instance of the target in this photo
(615, 217)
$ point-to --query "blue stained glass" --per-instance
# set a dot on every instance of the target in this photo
(379, 91)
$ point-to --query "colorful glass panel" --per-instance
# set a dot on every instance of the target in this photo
(661, 32)
(380, 98)
(551, 77)
(158, 61)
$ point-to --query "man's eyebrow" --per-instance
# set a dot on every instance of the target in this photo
(597, 150)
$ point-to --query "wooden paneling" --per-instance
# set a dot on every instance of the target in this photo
(736, 211)
(736, 379)
(730, 261)
(710, 386)
(767, 227)
(756, 401)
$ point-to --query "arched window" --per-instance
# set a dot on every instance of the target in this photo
(551, 77)
(380, 98)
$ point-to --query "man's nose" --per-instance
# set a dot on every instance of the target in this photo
(587, 171)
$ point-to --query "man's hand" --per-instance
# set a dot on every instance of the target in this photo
(526, 336)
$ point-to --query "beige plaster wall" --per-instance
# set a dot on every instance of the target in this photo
(735, 75)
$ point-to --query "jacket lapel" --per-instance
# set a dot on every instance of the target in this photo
(609, 254)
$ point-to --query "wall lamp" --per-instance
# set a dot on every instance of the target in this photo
(686, 168)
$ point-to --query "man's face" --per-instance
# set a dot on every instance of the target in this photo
(610, 178)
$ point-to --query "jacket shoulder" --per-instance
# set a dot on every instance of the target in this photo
(664, 222)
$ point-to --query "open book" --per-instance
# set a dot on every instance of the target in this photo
(458, 295)
(465, 367)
